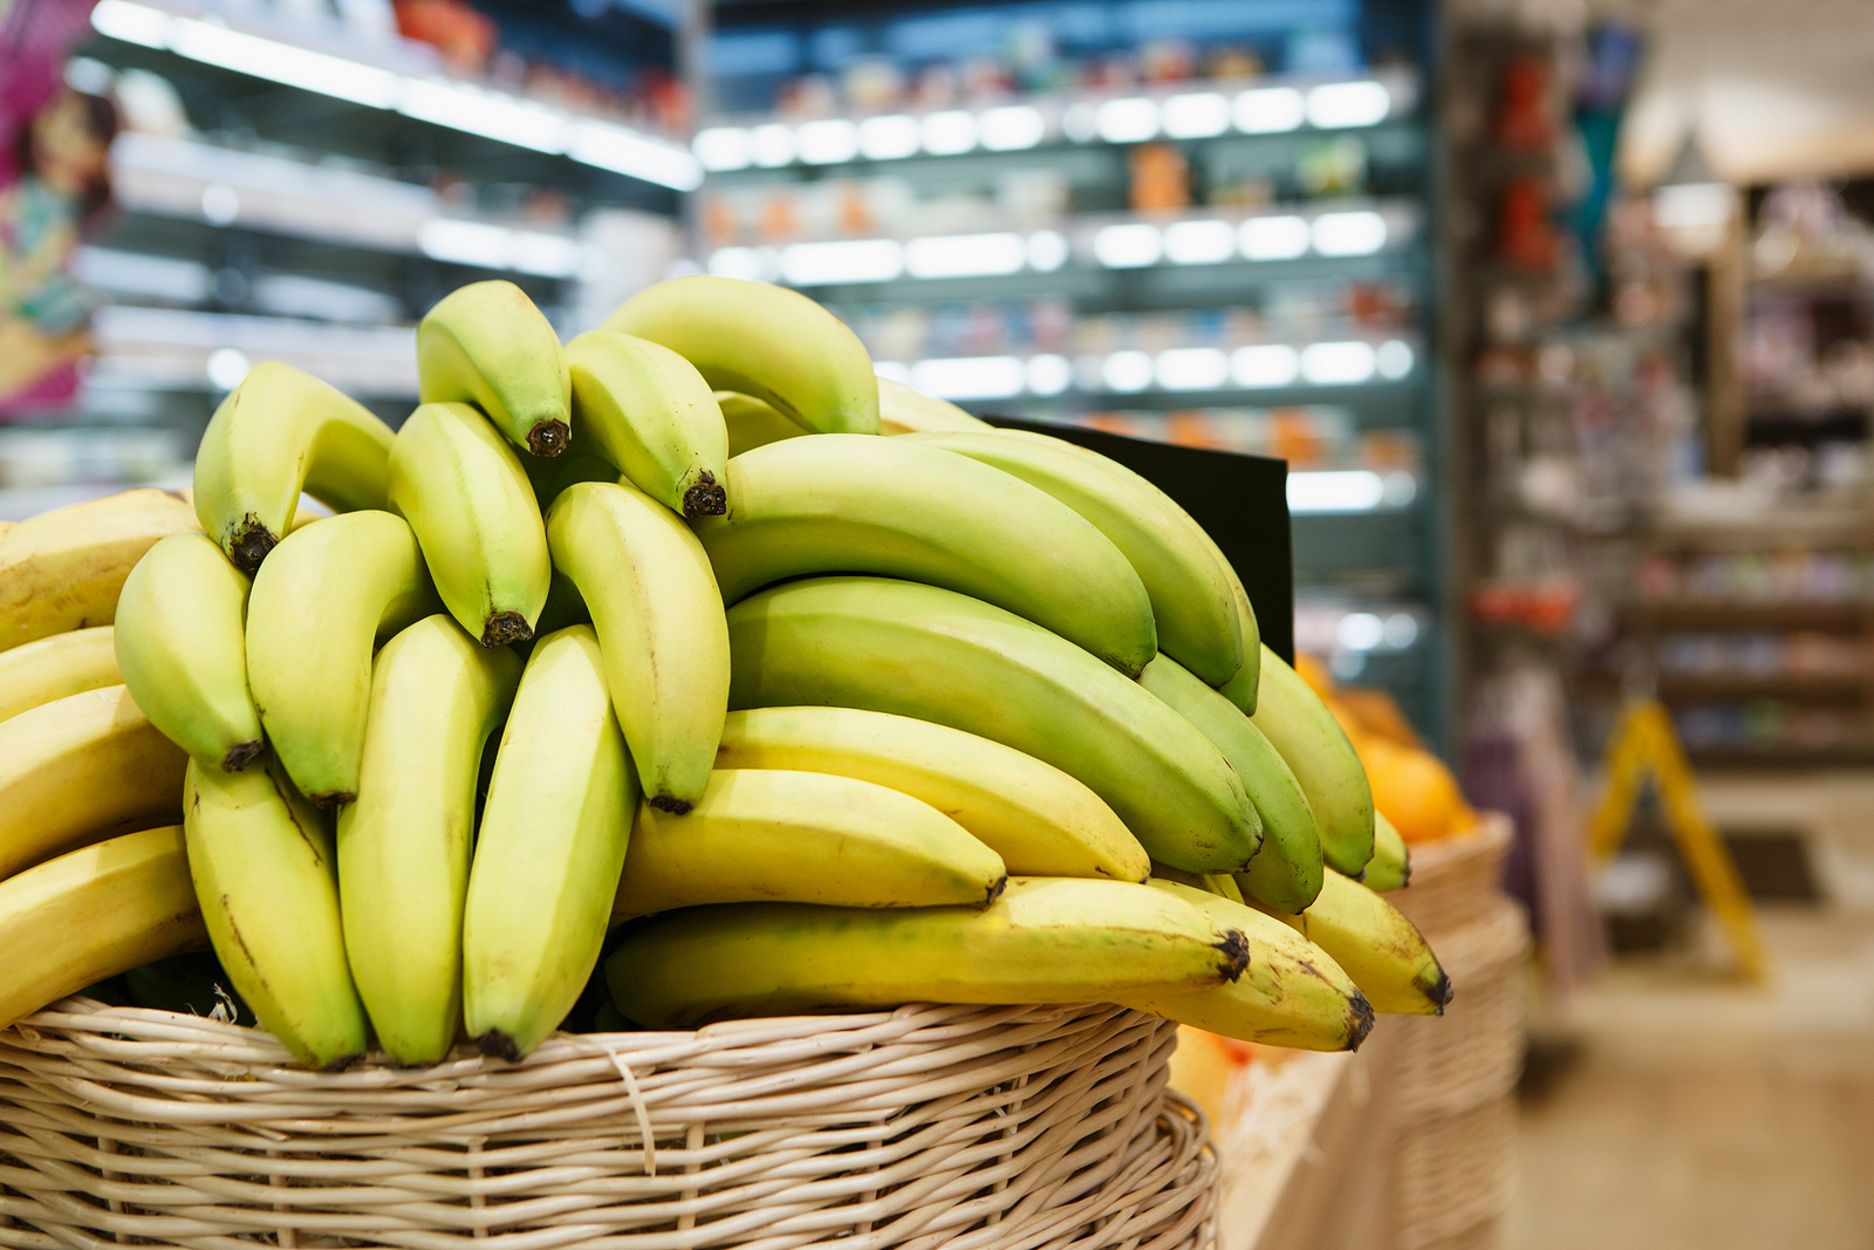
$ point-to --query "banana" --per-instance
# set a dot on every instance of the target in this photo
(905, 410)
(316, 610)
(486, 344)
(547, 857)
(1245, 683)
(1046, 940)
(1297, 724)
(1391, 866)
(403, 846)
(752, 423)
(921, 651)
(61, 570)
(1292, 994)
(1384, 953)
(1191, 597)
(1040, 820)
(54, 667)
(761, 340)
(93, 913)
(265, 877)
(79, 768)
(181, 647)
(467, 499)
(849, 503)
(799, 837)
(1286, 872)
(646, 580)
(650, 413)
(278, 433)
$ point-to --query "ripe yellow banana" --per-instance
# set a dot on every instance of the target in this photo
(1297, 724)
(1292, 994)
(752, 423)
(650, 413)
(905, 410)
(93, 913)
(779, 835)
(646, 580)
(1391, 866)
(1286, 873)
(80, 768)
(54, 667)
(1244, 685)
(267, 882)
(552, 840)
(1190, 592)
(1046, 940)
(761, 340)
(403, 845)
(1384, 953)
(486, 344)
(181, 645)
(467, 499)
(849, 503)
(316, 610)
(278, 433)
(1040, 820)
(62, 569)
(920, 651)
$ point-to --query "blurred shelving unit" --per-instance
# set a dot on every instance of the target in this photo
(1210, 224)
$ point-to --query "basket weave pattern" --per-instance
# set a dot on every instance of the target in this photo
(971, 1128)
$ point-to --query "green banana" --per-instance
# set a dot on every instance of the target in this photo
(1391, 866)
(921, 651)
(547, 857)
(181, 646)
(1245, 683)
(51, 668)
(849, 503)
(278, 433)
(314, 614)
(905, 410)
(646, 580)
(650, 413)
(467, 499)
(1040, 820)
(761, 340)
(486, 344)
(752, 423)
(795, 837)
(1297, 724)
(403, 846)
(1286, 872)
(1190, 592)
(1384, 953)
(261, 859)
(1045, 940)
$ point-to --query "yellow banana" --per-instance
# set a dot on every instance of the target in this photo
(403, 845)
(650, 413)
(80, 768)
(904, 410)
(761, 340)
(1045, 940)
(1040, 820)
(54, 667)
(93, 913)
(486, 344)
(61, 570)
(804, 838)
(1391, 866)
(848, 503)
(646, 581)
(281, 432)
(752, 423)
(181, 647)
(1384, 953)
(552, 840)
(1312, 743)
(261, 858)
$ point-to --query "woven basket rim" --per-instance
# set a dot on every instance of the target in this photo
(1489, 836)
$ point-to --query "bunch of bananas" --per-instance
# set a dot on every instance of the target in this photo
(564, 694)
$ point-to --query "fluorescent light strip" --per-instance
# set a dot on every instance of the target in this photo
(1341, 105)
(1264, 365)
(1393, 359)
(1199, 242)
(1193, 369)
(848, 260)
(1049, 374)
(889, 137)
(1338, 364)
(491, 114)
(970, 377)
(1047, 250)
(1195, 114)
(283, 63)
(498, 247)
(622, 150)
(830, 141)
(759, 264)
(132, 23)
(1359, 233)
(1127, 371)
(1269, 110)
(1273, 238)
(1336, 490)
(721, 148)
(1128, 246)
(965, 255)
(948, 133)
(1011, 127)
(771, 145)
(1133, 119)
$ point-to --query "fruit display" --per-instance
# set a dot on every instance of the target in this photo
(681, 673)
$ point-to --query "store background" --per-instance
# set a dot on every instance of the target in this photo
(1563, 317)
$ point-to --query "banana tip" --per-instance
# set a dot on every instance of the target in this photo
(498, 1045)
(241, 754)
(1235, 948)
(504, 628)
(549, 438)
(995, 890)
(1440, 992)
(250, 542)
(706, 497)
(1362, 1023)
(331, 800)
(671, 803)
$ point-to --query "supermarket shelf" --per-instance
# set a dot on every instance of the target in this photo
(1780, 754)
(1746, 614)
(1794, 686)
(170, 350)
(1784, 527)
(1186, 111)
(398, 76)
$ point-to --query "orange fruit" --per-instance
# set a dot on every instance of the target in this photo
(1415, 790)
(1315, 673)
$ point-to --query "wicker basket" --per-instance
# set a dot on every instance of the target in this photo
(1455, 879)
(1012, 1128)
(1456, 1172)
(1476, 1051)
